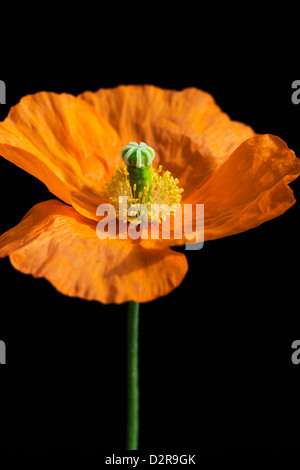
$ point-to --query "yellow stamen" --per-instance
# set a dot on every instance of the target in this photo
(164, 190)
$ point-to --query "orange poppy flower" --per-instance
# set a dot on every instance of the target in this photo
(73, 145)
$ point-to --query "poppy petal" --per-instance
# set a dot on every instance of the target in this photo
(188, 131)
(60, 140)
(249, 188)
(55, 242)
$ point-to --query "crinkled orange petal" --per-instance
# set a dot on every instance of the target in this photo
(55, 242)
(63, 142)
(73, 144)
(249, 188)
(189, 132)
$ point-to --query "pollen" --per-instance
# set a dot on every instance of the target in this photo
(160, 199)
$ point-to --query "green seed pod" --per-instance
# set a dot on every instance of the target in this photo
(138, 158)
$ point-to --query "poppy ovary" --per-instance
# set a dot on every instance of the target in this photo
(138, 158)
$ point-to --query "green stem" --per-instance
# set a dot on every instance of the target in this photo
(132, 369)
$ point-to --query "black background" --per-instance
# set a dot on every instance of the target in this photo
(215, 354)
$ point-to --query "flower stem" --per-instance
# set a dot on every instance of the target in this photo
(132, 377)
